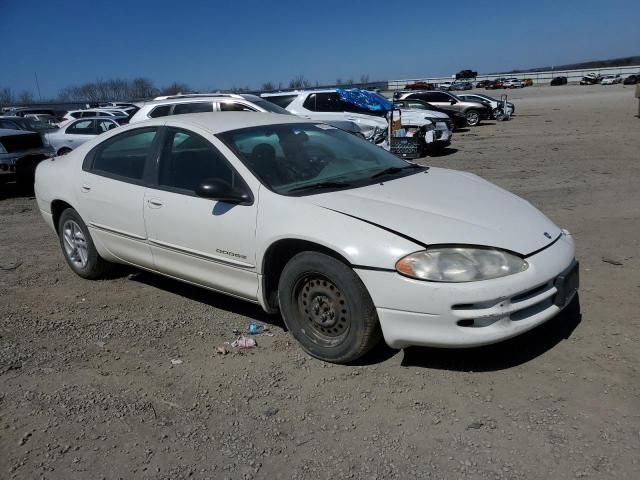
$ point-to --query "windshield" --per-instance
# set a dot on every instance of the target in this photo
(303, 158)
(271, 107)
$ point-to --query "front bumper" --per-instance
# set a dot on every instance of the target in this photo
(454, 315)
(10, 162)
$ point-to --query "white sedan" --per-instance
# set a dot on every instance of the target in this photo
(73, 134)
(347, 241)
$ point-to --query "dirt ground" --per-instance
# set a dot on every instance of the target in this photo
(88, 389)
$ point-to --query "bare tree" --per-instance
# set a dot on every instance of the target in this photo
(6, 97)
(364, 78)
(25, 97)
(142, 88)
(338, 81)
(299, 82)
(174, 89)
(268, 86)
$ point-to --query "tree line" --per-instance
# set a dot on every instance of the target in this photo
(119, 89)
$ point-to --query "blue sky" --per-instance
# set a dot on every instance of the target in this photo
(224, 44)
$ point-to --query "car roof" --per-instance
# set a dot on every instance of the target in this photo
(201, 96)
(217, 122)
(92, 118)
(96, 110)
(300, 92)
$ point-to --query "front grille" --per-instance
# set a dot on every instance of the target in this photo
(517, 307)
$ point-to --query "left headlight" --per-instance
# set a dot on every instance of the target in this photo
(460, 264)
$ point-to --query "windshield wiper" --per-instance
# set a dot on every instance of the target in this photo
(392, 170)
(313, 186)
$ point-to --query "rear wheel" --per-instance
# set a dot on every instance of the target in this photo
(63, 151)
(78, 248)
(327, 308)
(473, 117)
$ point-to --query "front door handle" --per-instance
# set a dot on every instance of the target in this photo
(85, 188)
(154, 203)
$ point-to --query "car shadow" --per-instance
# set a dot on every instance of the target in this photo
(503, 355)
(207, 297)
(13, 190)
(461, 130)
(444, 152)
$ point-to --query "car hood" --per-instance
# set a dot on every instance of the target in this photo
(446, 207)
(430, 114)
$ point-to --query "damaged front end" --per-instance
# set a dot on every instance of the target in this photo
(20, 153)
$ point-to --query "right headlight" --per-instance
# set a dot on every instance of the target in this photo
(2, 149)
(460, 264)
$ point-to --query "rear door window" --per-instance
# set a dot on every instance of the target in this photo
(123, 157)
(161, 111)
(82, 127)
(281, 100)
(193, 107)
(329, 102)
(235, 107)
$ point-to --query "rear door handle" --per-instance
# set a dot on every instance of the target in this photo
(153, 203)
(85, 188)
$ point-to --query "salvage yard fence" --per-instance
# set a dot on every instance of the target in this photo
(542, 77)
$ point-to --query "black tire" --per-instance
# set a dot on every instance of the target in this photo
(63, 151)
(90, 266)
(473, 117)
(327, 308)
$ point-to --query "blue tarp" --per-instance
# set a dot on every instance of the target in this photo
(364, 99)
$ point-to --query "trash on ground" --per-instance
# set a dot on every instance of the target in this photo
(222, 350)
(255, 328)
(244, 342)
(176, 361)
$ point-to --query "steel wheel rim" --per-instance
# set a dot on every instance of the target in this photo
(472, 118)
(75, 244)
(323, 309)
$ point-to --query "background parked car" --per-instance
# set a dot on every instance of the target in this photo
(631, 80)
(495, 84)
(457, 119)
(527, 82)
(474, 111)
(75, 133)
(326, 105)
(611, 80)
(558, 81)
(590, 79)
(512, 83)
(483, 83)
(28, 124)
(446, 86)
(493, 103)
(49, 120)
(420, 86)
(120, 117)
(461, 86)
(20, 153)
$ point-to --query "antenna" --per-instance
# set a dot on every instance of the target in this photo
(37, 85)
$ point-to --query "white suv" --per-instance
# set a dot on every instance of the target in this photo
(198, 103)
(220, 102)
(326, 105)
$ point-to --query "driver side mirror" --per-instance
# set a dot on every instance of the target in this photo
(223, 192)
(452, 101)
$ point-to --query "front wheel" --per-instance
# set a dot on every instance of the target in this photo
(78, 248)
(63, 151)
(473, 117)
(327, 308)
